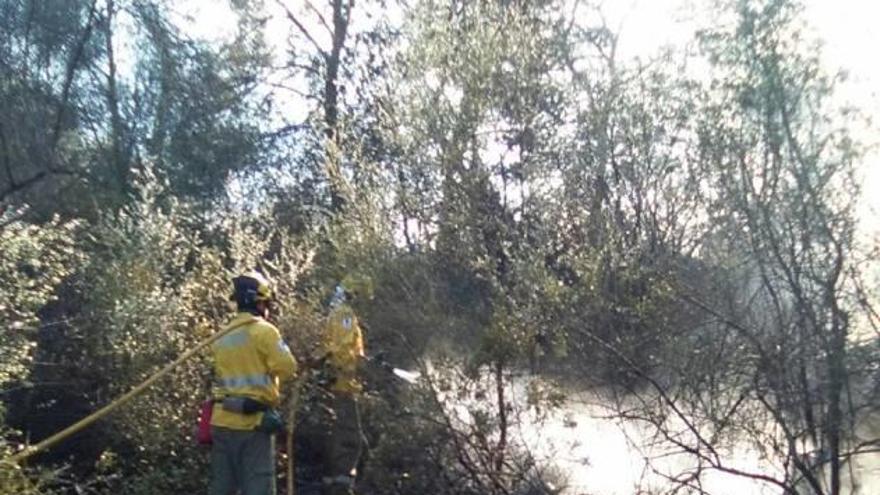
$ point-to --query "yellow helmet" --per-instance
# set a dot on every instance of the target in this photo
(250, 288)
(358, 285)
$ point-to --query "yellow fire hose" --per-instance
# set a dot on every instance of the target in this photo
(104, 411)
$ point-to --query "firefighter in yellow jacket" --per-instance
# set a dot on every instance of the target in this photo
(343, 351)
(249, 363)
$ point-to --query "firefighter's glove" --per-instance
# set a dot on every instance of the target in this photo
(379, 360)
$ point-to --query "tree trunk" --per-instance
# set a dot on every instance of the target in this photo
(341, 21)
(836, 381)
(502, 417)
(117, 160)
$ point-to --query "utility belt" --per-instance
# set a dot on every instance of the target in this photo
(242, 405)
(270, 423)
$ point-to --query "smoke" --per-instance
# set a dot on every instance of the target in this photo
(865, 468)
(602, 454)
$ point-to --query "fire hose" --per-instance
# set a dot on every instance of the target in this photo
(82, 424)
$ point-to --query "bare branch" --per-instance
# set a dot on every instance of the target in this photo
(20, 186)
(320, 17)
(72, 65)
(302, 28)
(307, 68)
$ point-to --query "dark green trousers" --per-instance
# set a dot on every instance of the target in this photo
(242, 462)
(343, 450)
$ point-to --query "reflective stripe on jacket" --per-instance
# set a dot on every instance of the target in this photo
(249, 362)
(344, 342)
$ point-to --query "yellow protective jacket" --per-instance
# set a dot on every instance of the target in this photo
(249, 362)
(343, 343)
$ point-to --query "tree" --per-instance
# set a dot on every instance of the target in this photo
(787, 169)
(85, 122)
(777, 277)
(323, 65)
(45, 51)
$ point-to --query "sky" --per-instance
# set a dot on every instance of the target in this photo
(848, 29)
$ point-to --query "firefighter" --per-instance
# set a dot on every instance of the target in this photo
(342, 351)
(249, 365)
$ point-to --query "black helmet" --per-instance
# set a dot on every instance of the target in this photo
(250, 288)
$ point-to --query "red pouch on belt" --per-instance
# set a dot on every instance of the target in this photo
(203, 434)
